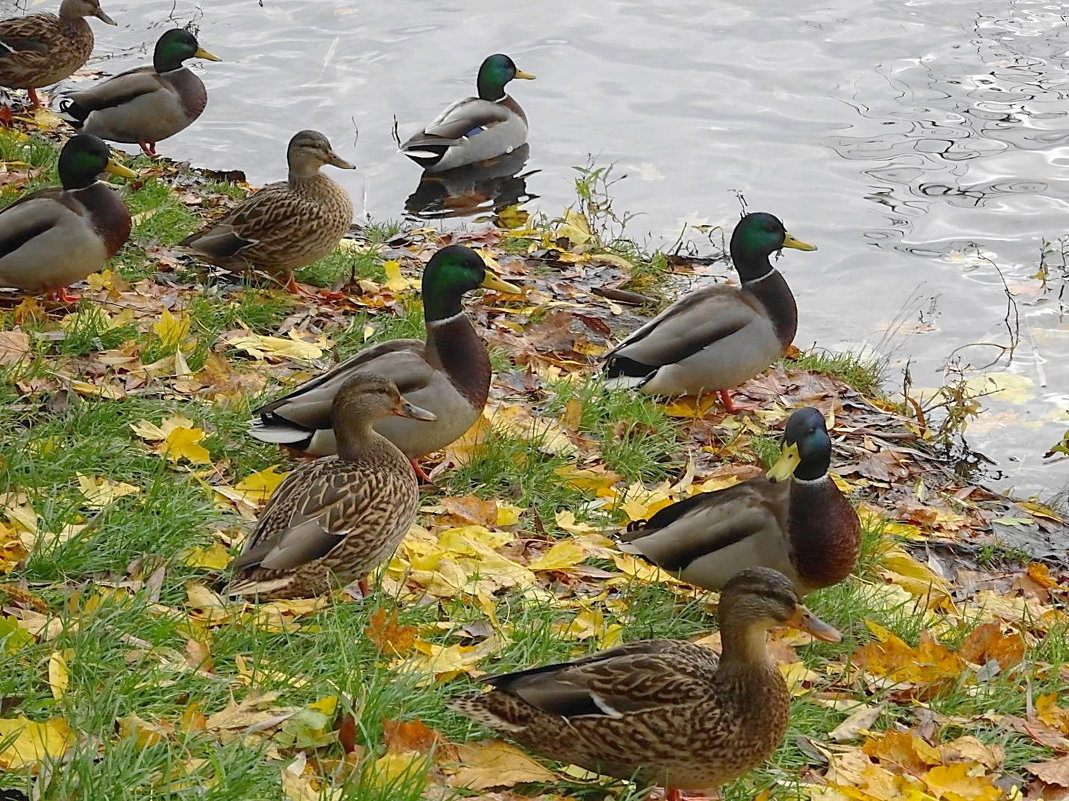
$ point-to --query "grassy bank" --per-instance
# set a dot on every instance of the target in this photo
(127, 481)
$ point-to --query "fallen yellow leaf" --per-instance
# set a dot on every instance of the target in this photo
(496, 764)
(31, 742)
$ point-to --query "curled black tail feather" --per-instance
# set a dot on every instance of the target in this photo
(73, 112)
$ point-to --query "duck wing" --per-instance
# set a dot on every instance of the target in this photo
(307, 409)
(709, 537)
(309, 515)
(629, 678)
(30, 216)
(691, 324)
(262, 211)
(465, 118)
(116, 91)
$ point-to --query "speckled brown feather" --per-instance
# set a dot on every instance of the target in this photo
(60, 46)
(349, 515)
(666, 711)
(282, 227)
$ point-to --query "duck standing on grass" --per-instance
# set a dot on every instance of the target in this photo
(449, 374)
(51, 238)
(476, 128)
(146, 104)
(286, 225)
(718, 337)
(795, 520)
(333, 520)
(667, 712)
(41, 49)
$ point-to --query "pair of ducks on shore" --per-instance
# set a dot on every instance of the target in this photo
(664, 711)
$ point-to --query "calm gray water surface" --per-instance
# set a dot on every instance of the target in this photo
(919, 144)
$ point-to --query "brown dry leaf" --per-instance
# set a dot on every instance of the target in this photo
(970, 749)
(409, 735)
(1052, 771)
(858, 721)
(987, 642)
(472, 509)
(496, 764)
(389, 636)
(14, 347)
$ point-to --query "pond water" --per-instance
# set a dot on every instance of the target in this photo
(924, 146)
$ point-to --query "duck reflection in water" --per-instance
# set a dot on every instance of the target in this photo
(483, 187)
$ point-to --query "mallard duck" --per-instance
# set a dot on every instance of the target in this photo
(449, 374)
(146, 104)
(794, 519)
(667, 712)
(476, 128)
(41, 49)
(720, 336)
(333, 520)
(53, 237)
(285, 225)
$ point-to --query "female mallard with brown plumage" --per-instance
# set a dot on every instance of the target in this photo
(476, 128)
(287, 225)
(146, 104)
(333, 520)
(449, 374)
(51, 238)
(794, 520)
(667, 712)
(41, 49)
(718, 337)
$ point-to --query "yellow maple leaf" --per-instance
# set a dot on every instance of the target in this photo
(12, 549)
(395, 281)
(183, 443)
(561, 556)
(508, 515)
(396, 769)
(29, 742)
(214, 557)
(961, 781)
(171, 329)
(257, 487)
(99, 491)
(294, 348)
(496, 764)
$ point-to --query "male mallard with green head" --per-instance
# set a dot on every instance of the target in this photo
(146, 104)
(54, 237)
(666, 712)
(41, 49)
(795, 520)
(285, 225)
(332, 521)
(448, 374)
(476, 128)
(718, 337)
